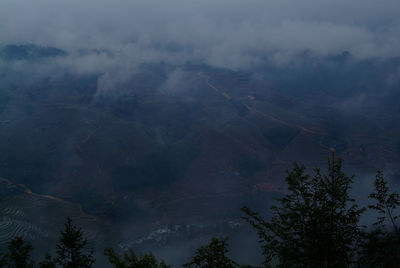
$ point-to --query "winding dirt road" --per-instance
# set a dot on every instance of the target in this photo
(256, 111)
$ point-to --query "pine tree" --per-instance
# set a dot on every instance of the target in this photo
(315, 225)
(212, 256)
(72, 249)
(48, 262)
(18, 254)
(131, 260)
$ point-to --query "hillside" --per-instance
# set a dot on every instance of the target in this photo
(180, 145)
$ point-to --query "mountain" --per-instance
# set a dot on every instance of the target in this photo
(177, 148)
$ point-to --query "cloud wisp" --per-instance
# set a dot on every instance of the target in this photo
(232, 34)
(113, 39)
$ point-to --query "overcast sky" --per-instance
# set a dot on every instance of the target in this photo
(222, 33)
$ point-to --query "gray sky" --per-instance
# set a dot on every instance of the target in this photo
(223, 33)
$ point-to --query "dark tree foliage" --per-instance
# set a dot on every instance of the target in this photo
(212, 256)
(18, 254)
(386, 202)
(131, 260)
(72, 249)
(382, 244)
(48, 262)
(316, 224)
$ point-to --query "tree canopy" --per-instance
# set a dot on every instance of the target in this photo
(72, 251)
(317, 224)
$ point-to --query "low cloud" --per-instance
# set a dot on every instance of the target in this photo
(232, 34)
(114, 38)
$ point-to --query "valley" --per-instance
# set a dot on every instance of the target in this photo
(157, 160)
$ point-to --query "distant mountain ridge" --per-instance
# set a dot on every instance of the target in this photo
(29, 52)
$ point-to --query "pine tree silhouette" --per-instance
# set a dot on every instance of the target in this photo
(18, 255)
(72, 249)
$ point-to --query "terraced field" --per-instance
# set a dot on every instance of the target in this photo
(38, 218)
